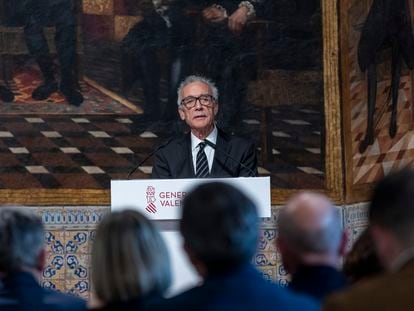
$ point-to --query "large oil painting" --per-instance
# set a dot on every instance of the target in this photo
(88, 88)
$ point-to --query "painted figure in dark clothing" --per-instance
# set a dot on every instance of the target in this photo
(388, 25)
(61, 15)
(5, 94)
(165, 26)
(227, 53)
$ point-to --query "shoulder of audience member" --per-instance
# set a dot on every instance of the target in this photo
(296, 301)
(358, 295)
(65, 302)
(184, 301)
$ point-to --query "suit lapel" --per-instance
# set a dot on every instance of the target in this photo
(188, 166)
(220, 158)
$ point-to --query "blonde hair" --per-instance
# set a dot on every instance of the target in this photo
(129, 258)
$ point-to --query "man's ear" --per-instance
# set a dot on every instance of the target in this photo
(181, 113)
(280, 244)
(343, 243)
(386, 245)
(41, 260)
(215, 109)
(198, 265)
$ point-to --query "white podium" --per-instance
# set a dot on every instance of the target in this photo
(160, 200)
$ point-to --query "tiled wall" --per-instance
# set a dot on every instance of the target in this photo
(71, 230)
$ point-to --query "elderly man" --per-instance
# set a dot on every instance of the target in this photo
(190, 156)
(22, 258)
(391, 217)
(312, 242)
(220, 229)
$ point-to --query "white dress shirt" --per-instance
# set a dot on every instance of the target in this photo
(207, 149)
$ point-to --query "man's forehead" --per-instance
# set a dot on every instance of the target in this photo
(196, 88)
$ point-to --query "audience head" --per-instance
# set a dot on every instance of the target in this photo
(391, 216)
(129, 258)
(219, 227)
(310, 232)
(21, 240)
(362, 261)
(197, 104)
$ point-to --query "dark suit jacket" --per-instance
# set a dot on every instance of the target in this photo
(242, 289)
(20, 291)
(175, 159)
(317, 281)
(388, 292)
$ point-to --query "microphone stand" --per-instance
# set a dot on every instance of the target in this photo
(148, 156)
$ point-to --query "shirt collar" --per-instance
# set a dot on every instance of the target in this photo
(211, 137)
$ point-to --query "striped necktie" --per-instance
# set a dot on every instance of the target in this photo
(201, 163)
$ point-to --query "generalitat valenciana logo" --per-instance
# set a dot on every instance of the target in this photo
(150, 194)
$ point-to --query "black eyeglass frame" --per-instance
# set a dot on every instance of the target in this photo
(210, 101)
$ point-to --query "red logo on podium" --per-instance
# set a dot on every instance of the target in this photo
(151, 207)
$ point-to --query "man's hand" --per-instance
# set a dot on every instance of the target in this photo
(237, 20)
(213, 15)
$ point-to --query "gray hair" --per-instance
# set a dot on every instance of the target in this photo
(219, 226)
(21, 239)
(324, 237)
(195, 78)
(129, 258)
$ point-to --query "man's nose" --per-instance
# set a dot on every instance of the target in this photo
(198, 104)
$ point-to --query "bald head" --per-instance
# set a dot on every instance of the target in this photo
(309, 223)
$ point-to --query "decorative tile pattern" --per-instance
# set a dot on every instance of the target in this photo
(355, 220)
(69, 234)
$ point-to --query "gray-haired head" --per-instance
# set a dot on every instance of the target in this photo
(21, 239)
(219, 226)
(310, 224)
(195, 78)
(129, 258)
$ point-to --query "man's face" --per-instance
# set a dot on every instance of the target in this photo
(200, 117)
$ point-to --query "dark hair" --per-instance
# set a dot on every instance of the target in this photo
(392, 205)
(362, 260)
(219, 225)
(21, 238)
(129, 258)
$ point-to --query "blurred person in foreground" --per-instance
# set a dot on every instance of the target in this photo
(130, 263)
(391, 225)
(362, 260)
(312, 242)
(22, 259)
(220, 229)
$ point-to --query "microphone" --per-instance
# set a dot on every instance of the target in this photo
(149, 156)
(214, 146)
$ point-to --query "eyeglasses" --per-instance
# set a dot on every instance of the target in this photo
(205, 100)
